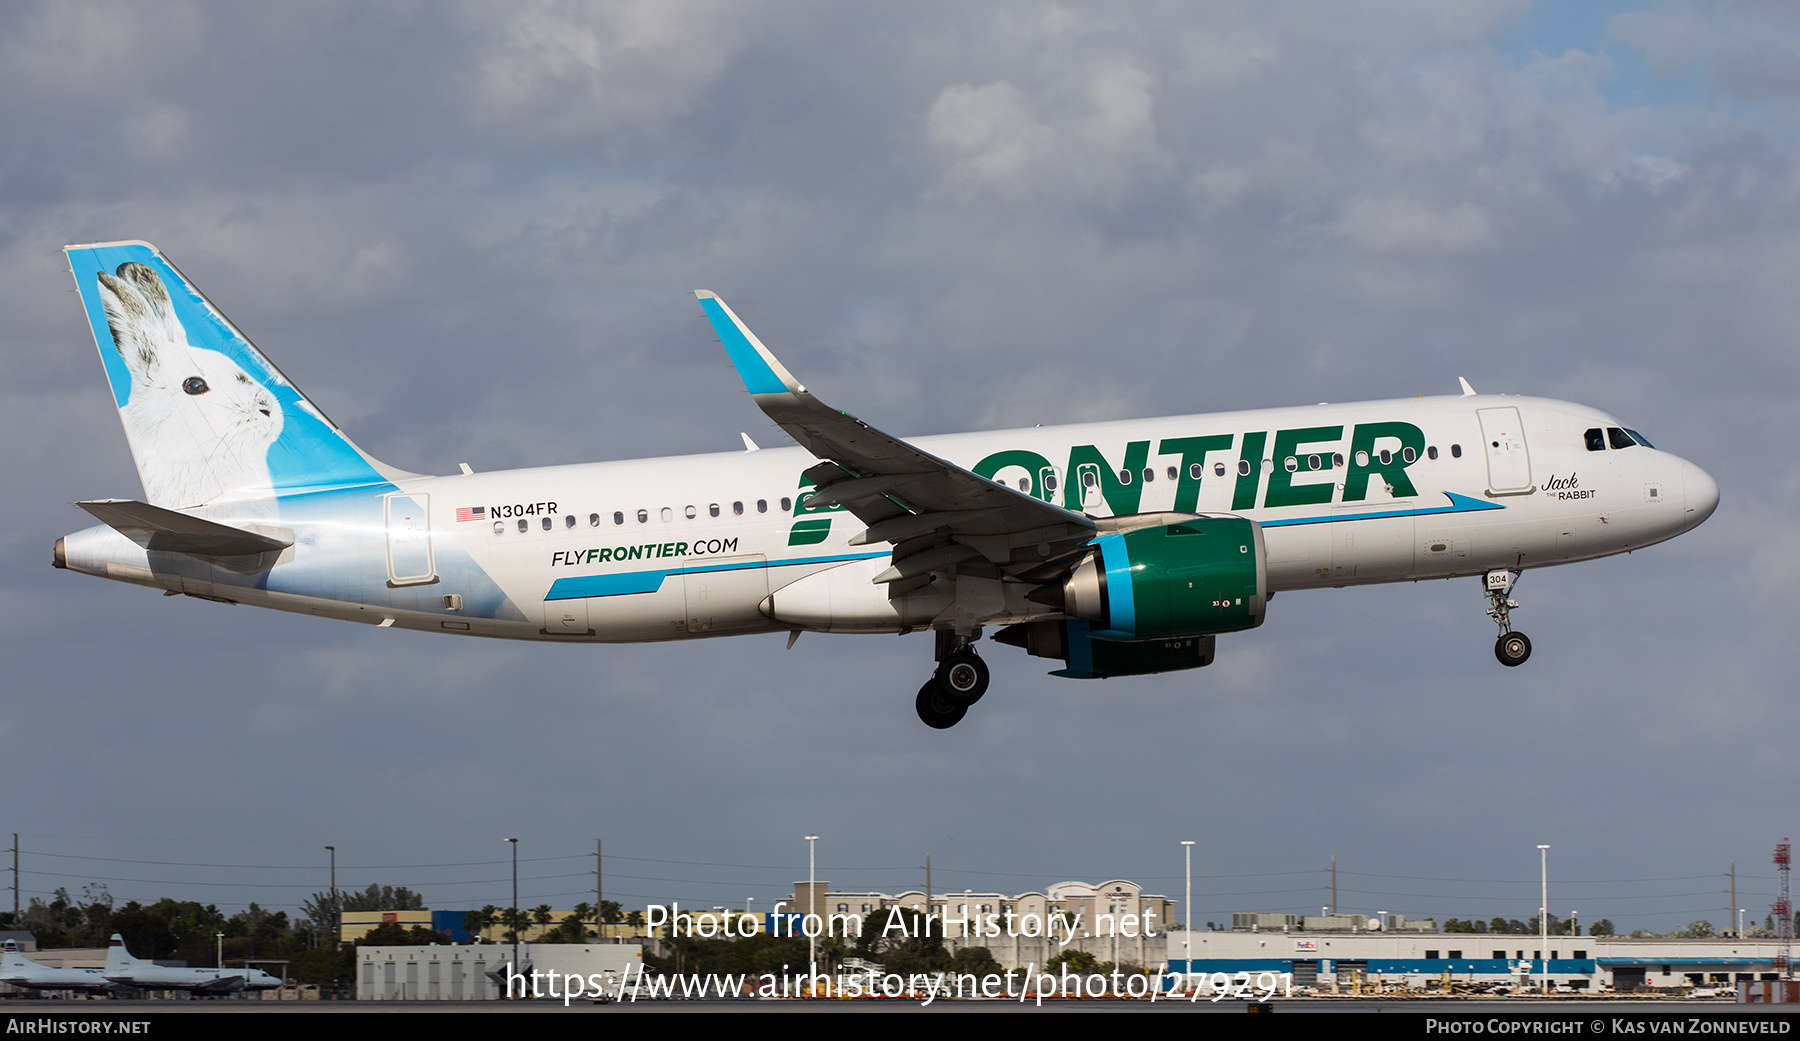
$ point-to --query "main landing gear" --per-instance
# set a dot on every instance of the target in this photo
(1511, 649)
(960, 681)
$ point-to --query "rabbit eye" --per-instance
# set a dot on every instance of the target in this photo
(195, 385)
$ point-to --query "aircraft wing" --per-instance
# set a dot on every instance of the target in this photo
(935, 513)
(221, 985)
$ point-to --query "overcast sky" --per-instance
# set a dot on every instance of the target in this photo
(470, 233)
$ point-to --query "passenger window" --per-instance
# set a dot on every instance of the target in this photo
(1218, 470)
(1149, 475)
(690, 513)
(1431, 453)
(524, 525)
(762, 505)
(1619, 438)
(643, 516)
(1362, 459)
(1024, 484)
(569, 521)
(618, 517)
(1124, 476)
(593, 520)
(1243, 467)
(667, 514)
(1174, 473)
(1088, 480)
(1337, 460)
(1386, 457)
(1596, 439)
(713, 510)
(1312, 462)
(1456, 451)
(1050, 482)
(546, 524)
(499, 527)
(737, 509)
(1292, 464)
(786, 504)
(1410, 454)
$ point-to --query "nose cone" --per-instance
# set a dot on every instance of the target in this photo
(1702, 494)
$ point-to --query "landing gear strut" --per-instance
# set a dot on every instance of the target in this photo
(960, 681)
(1511, 649)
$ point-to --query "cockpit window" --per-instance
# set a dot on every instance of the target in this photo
(1639, 438)
(1619, 438)
(1596, 440)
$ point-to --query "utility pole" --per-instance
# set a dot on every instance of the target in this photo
(812, 907)
(337, 922)
(926, 921)
(1544, 920)
(515, 904)
(599, 893)
(1334, 883)
(1187, 912)
(15, 853)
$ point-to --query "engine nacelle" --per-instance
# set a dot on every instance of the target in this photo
(1086, 658)
(1193, 578)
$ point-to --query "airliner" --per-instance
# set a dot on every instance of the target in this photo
(20, 971)
(124, 969)
(1114, 549)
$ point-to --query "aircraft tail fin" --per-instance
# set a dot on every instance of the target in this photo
(118, 959)
(208, 416)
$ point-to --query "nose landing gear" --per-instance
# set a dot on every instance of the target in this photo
(1511, 649)
(960, 681)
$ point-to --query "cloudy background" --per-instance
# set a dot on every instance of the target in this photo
(470, 233)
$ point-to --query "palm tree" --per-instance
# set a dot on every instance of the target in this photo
(475, 922)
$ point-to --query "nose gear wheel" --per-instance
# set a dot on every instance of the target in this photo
(1511, 649)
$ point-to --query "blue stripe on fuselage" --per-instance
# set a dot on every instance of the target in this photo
(581, 587)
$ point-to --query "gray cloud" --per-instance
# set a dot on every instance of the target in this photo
(469, 232)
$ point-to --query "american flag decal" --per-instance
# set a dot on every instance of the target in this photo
(469, 513)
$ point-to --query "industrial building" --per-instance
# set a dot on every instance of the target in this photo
(1339, 962)
(479, 972)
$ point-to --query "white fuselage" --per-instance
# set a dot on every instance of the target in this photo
(696, 546)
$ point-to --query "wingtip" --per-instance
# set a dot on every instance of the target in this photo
(1467, 391)
(705, 294)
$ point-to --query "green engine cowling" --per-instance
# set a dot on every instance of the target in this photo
(1193, 578)
(1152, 599)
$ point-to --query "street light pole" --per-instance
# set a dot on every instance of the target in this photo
(1544, 919)
(515, 904)
(1187, 912)
(812, 907)
(337, 921)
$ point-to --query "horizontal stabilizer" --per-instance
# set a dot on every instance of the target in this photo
(155, 528)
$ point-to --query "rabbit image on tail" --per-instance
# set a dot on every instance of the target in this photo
(200, 427)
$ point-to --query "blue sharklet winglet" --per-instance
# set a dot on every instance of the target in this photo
(761, 372)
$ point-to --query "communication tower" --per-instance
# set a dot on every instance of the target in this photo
(1784, 910)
